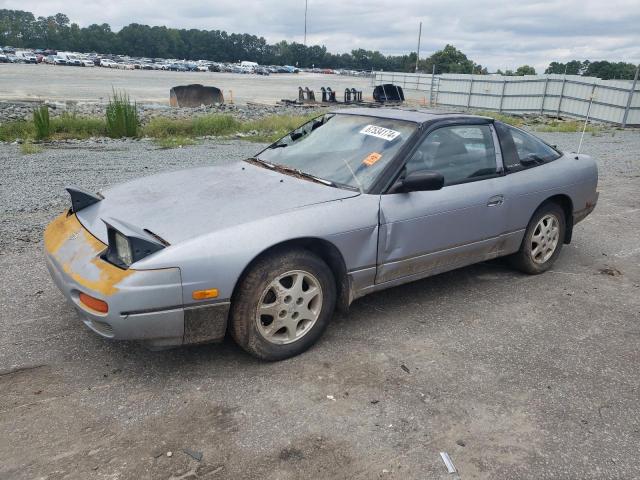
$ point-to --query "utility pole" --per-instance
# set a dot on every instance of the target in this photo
(306, 4)
(418, 55)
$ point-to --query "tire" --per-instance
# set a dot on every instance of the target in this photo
(542, 241)
(291, 318)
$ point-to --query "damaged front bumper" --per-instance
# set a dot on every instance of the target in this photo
(144, 305)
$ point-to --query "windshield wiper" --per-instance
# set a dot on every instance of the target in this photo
(300, 173)
(262, 163)
(313, 178)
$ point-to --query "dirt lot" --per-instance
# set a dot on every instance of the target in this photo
(49, 82)
(516, 377)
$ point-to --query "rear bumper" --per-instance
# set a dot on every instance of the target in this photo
(580, 215)
(144, 305)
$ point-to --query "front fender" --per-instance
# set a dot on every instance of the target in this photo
(217, 259)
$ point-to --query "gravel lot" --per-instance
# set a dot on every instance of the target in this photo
(514, 376)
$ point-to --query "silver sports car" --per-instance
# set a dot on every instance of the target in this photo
(350, 203)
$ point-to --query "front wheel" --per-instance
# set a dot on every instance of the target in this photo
(283, 304)
(542, 241)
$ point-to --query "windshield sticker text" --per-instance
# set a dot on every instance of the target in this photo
(372, 158)
(380, 132)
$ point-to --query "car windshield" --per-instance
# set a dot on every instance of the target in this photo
(346, 150)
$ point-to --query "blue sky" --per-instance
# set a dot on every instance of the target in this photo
(495, 33)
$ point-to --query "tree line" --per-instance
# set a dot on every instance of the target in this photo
(23, 30)
(601, 69)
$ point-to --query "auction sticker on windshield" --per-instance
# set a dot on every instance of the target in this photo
(372, 158)
(380, 132)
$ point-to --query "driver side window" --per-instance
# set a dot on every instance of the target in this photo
(460, 153)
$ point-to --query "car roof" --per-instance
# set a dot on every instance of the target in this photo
(416, 115)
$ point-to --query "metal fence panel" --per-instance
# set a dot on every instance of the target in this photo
(544, 94)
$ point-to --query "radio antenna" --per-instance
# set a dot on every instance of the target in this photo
(586, 120)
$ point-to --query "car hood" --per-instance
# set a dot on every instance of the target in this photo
(181, 205)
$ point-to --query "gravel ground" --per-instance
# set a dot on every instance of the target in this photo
(516, 377)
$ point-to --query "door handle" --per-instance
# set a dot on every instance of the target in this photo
(495, 201)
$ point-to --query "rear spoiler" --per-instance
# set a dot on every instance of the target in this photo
(81, 198)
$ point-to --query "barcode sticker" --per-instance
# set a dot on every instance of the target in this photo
(380, 132)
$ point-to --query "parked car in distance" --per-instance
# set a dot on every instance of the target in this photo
(54, 60)
(108, 63)
(26, 56)
(69, 58)
(350, 203)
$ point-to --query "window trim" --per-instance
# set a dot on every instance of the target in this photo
(458, 122)
(513, 151)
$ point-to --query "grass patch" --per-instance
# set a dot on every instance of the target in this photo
(66, 126)
(19, 129)
(567, 127)
(501, 117)
(69, 125)
(160, 127)
(216, 125)
(28, 148)
(176, 131)
(41, 122)
(266, 129)
(122, 116)
(174, 142)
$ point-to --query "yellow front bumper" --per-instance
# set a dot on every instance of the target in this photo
(143, 304)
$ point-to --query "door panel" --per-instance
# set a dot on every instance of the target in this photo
(431, 232)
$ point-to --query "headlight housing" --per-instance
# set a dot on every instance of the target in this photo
(123, 248)
(128, 244)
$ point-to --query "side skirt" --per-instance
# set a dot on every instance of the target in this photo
(423, 266)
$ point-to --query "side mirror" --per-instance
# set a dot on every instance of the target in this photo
(419, 181)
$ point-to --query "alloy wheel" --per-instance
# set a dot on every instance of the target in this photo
(544, 240)
(289, 307)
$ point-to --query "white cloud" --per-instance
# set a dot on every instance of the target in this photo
(496, 33)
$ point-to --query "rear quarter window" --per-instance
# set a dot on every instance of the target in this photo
(522, 150)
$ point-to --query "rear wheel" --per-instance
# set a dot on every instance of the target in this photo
(542, 241)
(283, 304)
